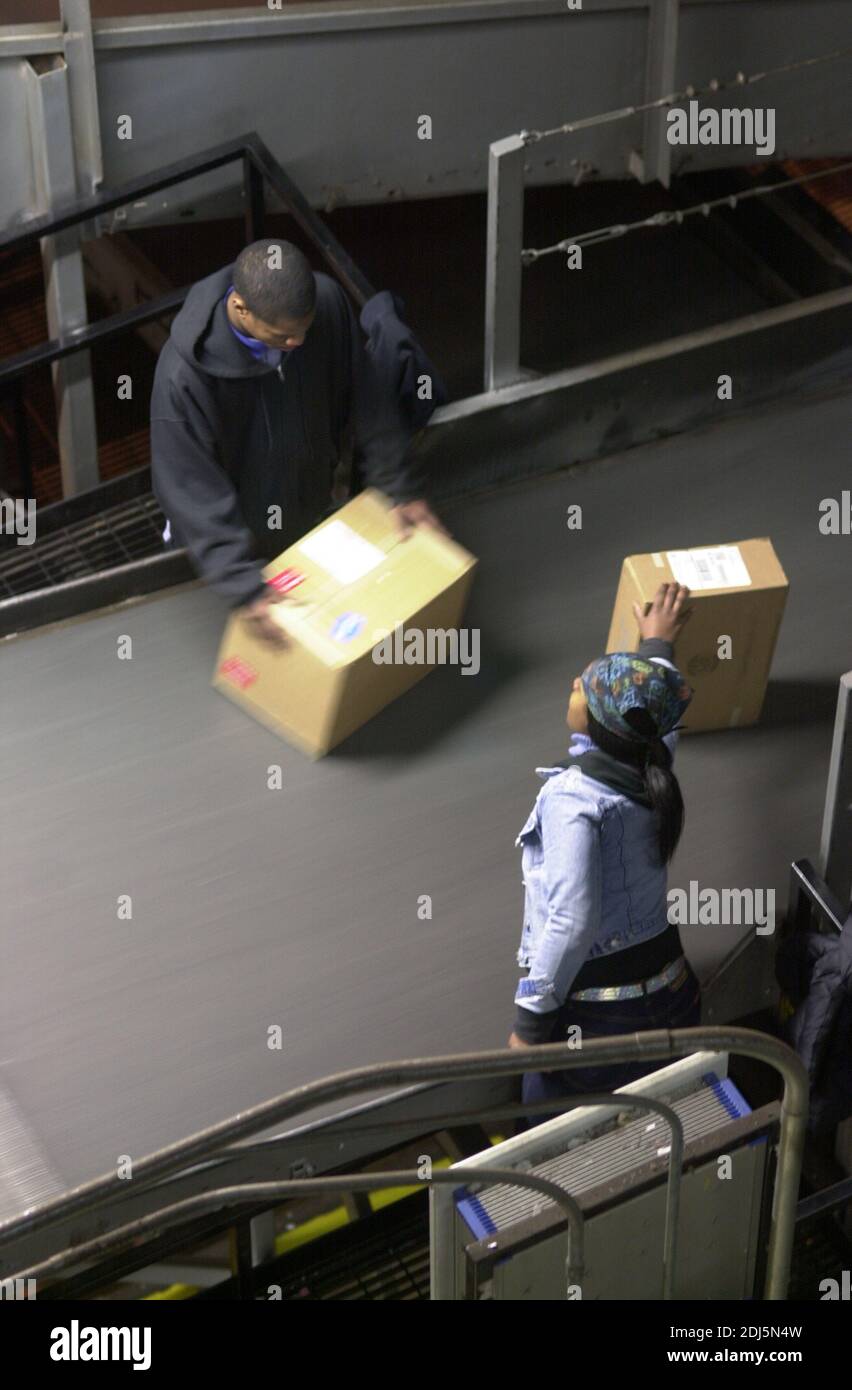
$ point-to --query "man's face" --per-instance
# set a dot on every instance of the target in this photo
(285, 336)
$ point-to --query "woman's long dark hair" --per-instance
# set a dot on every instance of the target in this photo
(654, 761)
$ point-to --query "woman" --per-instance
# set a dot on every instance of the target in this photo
(599, 951)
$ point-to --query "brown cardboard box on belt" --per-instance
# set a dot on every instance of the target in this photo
(348, 581)
(738, 591)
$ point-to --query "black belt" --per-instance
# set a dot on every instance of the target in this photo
(633, 963)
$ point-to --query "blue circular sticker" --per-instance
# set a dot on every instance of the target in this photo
(347, 626)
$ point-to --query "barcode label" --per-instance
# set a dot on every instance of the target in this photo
(712, 567)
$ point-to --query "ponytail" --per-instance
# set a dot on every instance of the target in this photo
(654, 761)
(663, 789)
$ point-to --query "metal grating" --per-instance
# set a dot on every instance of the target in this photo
(590, 1162)
(381, 1260)
(118, 536)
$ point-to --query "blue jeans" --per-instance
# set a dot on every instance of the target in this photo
(666, 1008)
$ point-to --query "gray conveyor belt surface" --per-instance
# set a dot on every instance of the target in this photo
(298, 907)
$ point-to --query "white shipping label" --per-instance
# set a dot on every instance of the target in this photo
(341, 552)
(714, 567)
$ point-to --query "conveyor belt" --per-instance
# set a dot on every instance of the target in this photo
(298, 907)
(26, 1177)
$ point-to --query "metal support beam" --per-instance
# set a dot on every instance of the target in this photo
(504, 243)
(251, 1245)
(53, 156)
(836, 840)
(835, 852)
(262, 1238)
(660, 75)
(253, 193)
(124, 280)
(82, 94)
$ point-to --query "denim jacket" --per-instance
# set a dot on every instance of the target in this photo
(592, 877)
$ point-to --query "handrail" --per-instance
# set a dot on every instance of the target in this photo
(278, 1191)
(235, 1193)
(230, 1193)
(654, 1045)
(259, 167)
(505, 253)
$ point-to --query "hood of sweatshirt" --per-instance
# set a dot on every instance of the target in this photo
(381, 306)
(202, 335)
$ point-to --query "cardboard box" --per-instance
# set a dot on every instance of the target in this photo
(348, 582)
(738, 590)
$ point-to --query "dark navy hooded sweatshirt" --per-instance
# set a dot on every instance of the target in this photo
(232, 437)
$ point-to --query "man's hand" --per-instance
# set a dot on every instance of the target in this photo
(259, 620)
(516, 1042)
(666, 613)
(408, 515)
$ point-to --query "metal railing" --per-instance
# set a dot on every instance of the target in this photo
(259, 168)
(87, 1222)
(505, 253)
(836, 835)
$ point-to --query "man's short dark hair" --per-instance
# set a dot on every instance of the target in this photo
(275, 280)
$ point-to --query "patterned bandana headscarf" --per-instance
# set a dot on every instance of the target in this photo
(622, 681)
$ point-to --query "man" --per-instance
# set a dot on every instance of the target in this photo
(264, 375)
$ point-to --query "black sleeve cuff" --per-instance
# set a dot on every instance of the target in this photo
(403, 492)
(250, 597)
(656, 646)
(533, 1028)
(409, 486)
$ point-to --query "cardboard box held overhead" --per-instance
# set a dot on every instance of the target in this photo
(738, 592)
(347, 582)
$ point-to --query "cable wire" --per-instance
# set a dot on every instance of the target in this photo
(530, 137)
(663, 219)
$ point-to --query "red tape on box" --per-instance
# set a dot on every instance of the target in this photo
(238, 672)
(286, 580)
